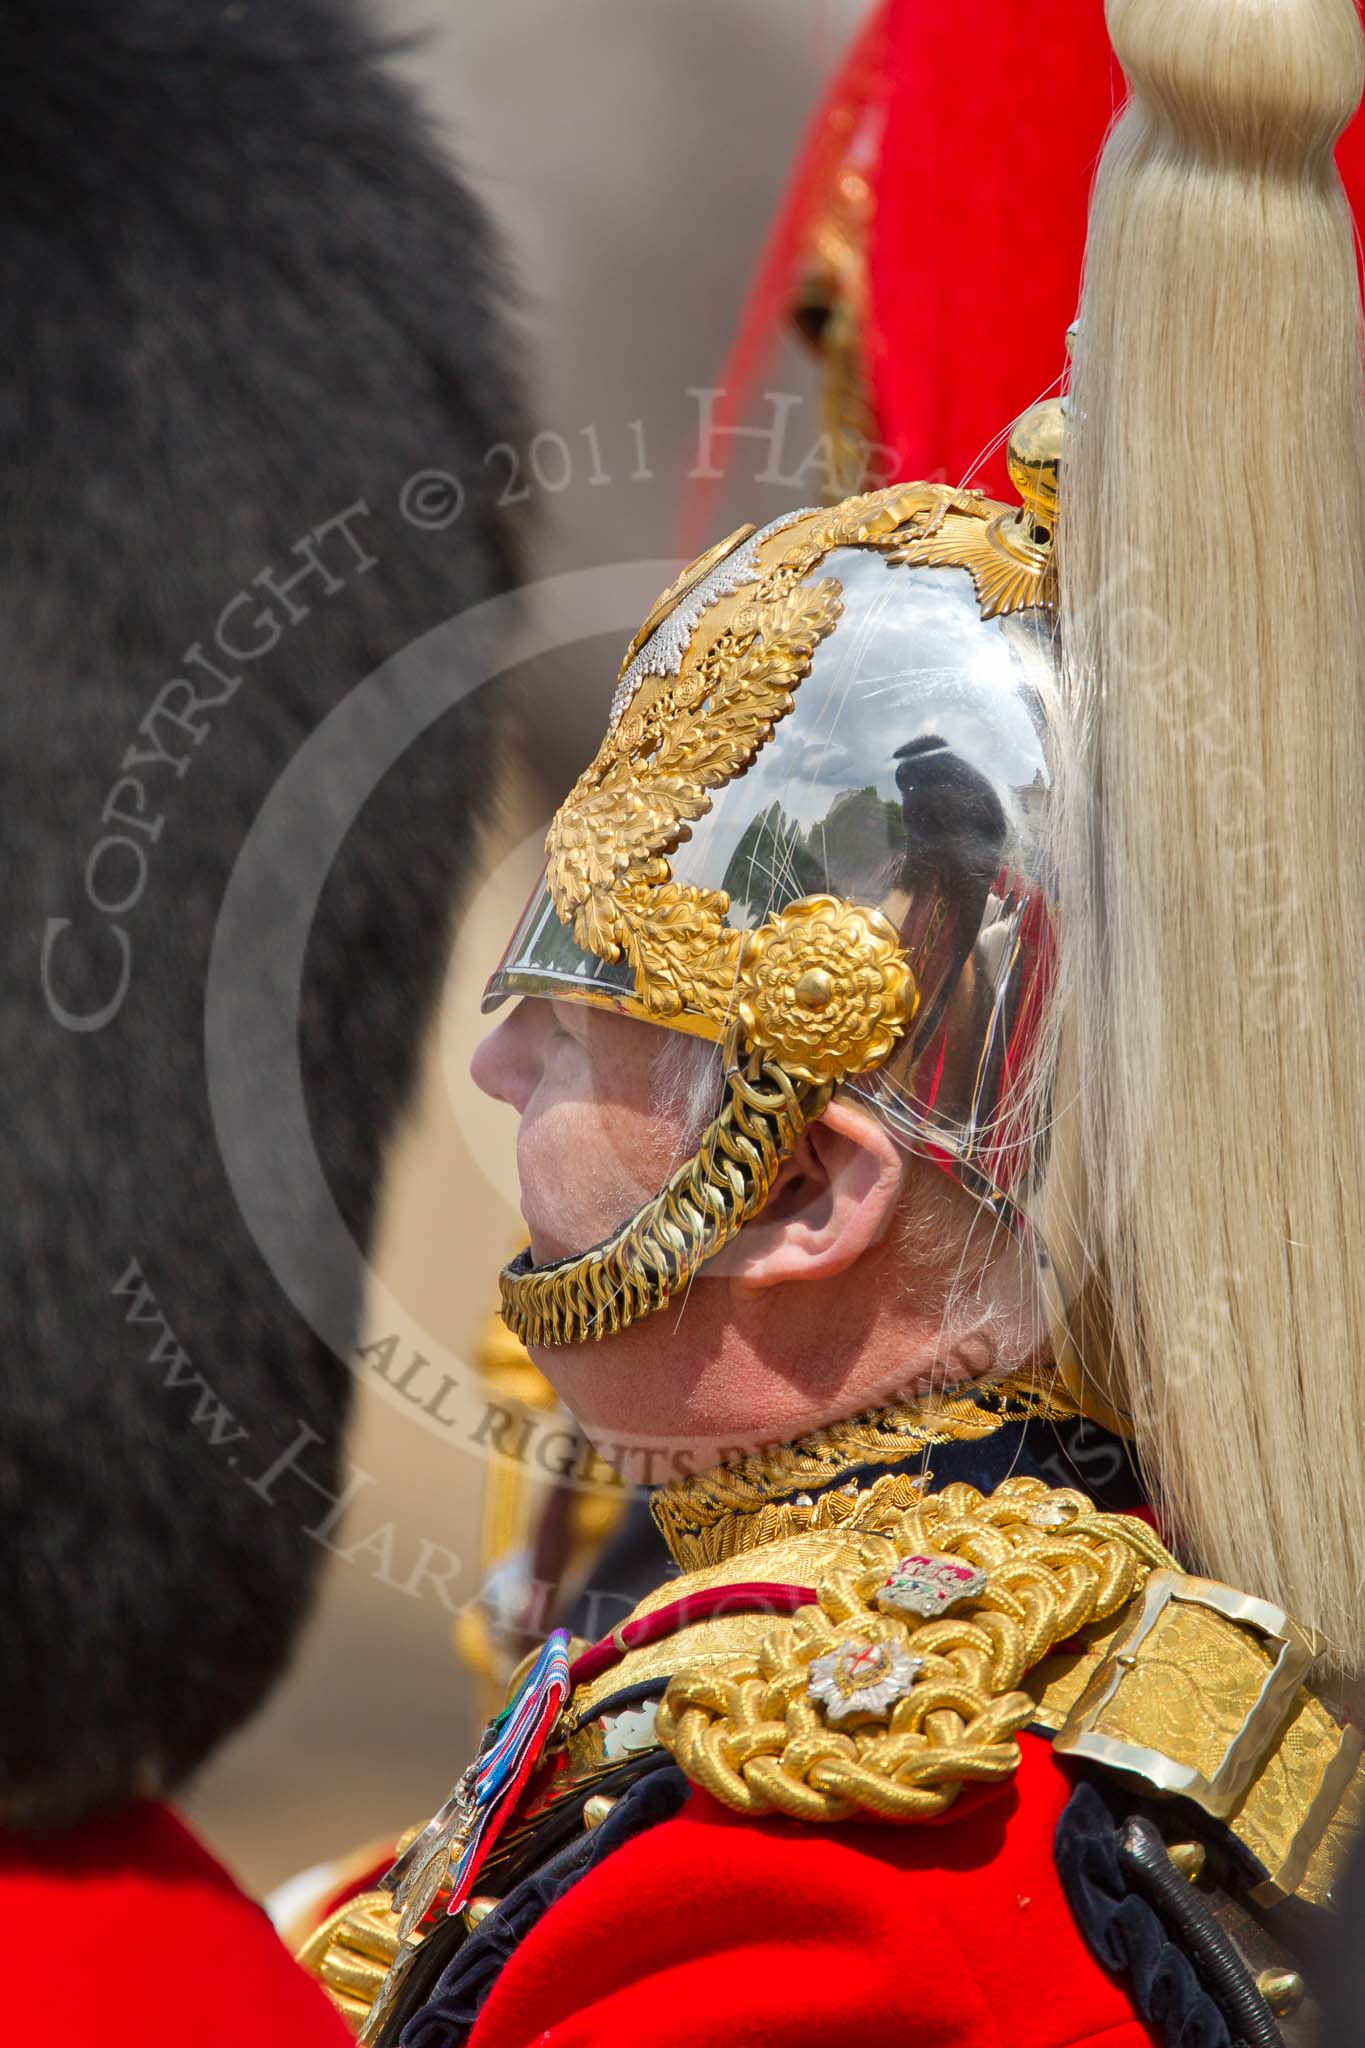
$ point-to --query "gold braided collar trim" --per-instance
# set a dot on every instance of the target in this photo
(749, 1501)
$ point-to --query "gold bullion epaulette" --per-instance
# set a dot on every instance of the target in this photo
(351, 1953)
(956, 1623)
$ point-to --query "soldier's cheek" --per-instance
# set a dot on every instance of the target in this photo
(558, 1171)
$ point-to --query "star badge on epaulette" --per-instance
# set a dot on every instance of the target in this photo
(862, 1681)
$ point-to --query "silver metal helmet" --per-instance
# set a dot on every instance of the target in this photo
(815, 833)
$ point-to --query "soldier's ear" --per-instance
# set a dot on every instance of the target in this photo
(833, 1200)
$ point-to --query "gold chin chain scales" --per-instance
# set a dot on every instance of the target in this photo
(698, 1211)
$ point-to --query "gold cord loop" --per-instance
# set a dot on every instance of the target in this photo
(760, 1736)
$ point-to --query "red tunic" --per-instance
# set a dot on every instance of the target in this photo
(712, 1928)
(125, 1933)
(986, 144)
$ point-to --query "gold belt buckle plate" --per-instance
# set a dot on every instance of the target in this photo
(1221, 1794)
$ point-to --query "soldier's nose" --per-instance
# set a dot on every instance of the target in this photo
(506, 1063)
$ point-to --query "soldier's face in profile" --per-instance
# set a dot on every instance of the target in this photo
(801, 1305)
(593, 1141)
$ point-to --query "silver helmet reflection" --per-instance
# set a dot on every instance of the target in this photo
(816, 834)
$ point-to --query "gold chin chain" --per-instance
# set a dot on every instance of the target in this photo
(757, 1499)
(698, 1211)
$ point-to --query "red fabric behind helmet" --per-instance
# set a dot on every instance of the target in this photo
(992, 123)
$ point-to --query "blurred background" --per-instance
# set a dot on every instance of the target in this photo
(632, 155)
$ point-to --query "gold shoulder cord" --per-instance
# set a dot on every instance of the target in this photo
(857, 1706)
(939, 1631)
(963, 1619)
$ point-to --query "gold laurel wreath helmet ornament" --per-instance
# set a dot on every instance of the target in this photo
(820, 989)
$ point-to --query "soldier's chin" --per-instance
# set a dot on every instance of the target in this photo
(552, 1241)
(544, 1233)
(549, 1246)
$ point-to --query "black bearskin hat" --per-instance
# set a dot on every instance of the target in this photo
(241, 296)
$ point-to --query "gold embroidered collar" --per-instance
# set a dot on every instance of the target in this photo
(783, 1488)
